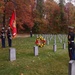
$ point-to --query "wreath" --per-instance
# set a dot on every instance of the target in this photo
(40, 41)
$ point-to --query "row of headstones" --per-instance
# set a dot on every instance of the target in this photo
(71, 69)
(50, 37)
(62, 37)
(12, 51)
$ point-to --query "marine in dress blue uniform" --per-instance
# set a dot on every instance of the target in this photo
(71, 47)
(9, 37)
(3, 37)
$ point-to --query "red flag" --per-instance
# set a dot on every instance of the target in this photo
(12, 23)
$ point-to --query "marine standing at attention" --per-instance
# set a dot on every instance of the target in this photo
(71, 48)
(9, 37)
(3, 37)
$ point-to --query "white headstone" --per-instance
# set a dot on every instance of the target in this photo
(54, 39)
(59, 39)
(47, 41)
(12, 53)
(51, 37)
(64, 46)
(71, 67)
(35, 50)
(37, 35)
(54, 47)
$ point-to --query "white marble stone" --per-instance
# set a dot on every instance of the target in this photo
(47, 41)
(54, 39)
(35, 50)
(64, 46)
(71, 67)
(59, 39)
(54, 47)
(12, 54)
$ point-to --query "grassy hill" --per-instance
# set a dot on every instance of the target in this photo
(46, 63)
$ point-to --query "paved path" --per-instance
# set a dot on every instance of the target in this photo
(23, 35)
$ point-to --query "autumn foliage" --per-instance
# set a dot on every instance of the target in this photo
(40, 16)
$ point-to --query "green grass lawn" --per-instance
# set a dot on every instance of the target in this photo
(46, 63)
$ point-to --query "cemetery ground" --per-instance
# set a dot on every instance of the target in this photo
(47, 62)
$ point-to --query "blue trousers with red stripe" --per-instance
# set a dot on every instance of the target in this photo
(3, 42)
(71, 49)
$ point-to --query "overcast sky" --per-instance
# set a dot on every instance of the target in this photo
(73, 1)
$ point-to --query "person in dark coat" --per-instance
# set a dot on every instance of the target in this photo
(31, 33)
(3, 37)
(71, 47)
(9, 37)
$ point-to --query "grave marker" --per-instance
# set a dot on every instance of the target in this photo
(71, 67)
(64, 46)
(12, 54)
(47, 41)
(54, 46)
(35, 50)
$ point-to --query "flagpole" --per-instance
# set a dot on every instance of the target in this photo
(12, 22)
